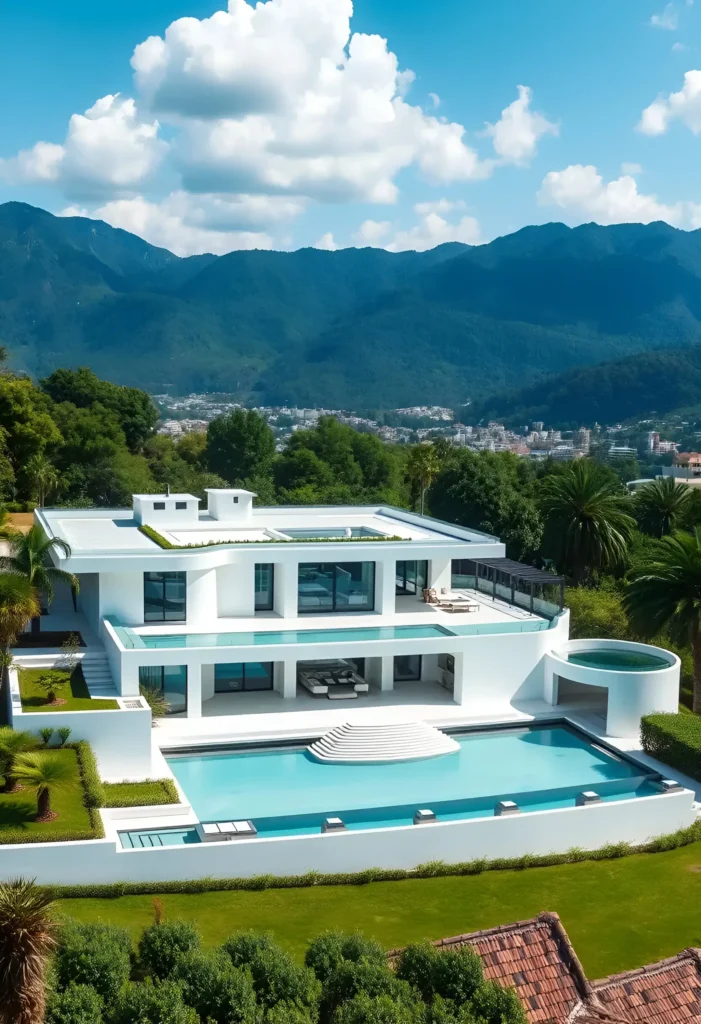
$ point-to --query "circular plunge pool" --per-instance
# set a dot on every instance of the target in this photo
(616, 660)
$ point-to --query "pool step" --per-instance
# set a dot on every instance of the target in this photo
(374, 744)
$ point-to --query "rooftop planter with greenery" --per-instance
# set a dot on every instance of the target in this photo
(163, 542)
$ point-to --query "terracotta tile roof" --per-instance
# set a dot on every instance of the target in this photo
(668, 992)
(537, 958)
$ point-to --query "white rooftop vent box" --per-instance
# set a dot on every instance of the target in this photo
(230, 506)
(167, 510)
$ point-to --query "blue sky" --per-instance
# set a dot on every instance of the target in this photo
(265, 132)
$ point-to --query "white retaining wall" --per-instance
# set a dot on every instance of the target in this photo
(540, 832)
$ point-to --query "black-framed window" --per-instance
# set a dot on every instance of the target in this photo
(165, 596)
(407, 667)
(243, 675)
(336, 587)
(265, 583)
(411, 577)
(171, 681)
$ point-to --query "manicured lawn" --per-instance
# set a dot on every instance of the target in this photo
(17, 810)
(75, 693)
(619, 914)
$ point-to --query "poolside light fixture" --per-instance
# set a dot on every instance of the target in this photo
(333, 825)
(670, 786)
(505, 808)
(587, 798)
(424, 816)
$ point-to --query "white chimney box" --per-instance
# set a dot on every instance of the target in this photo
(230, 506)
(167, 510)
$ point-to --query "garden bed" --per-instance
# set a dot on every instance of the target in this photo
(75, 693)
(140, 794)
(18, 810)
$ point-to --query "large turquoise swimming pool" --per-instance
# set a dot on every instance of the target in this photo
(285, 792)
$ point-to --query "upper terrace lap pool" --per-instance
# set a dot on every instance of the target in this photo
(285, 792)
(130, 639)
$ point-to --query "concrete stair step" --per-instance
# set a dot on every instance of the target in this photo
(369, 744)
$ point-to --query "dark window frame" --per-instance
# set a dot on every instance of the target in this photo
(404, 591)
(166, 578)
(268, 665)
(154, 668)
(180, 506)
(159, 506)
(268, 607)
(335, 609)
(407, 678)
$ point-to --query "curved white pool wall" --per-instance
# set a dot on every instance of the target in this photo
(631, 694)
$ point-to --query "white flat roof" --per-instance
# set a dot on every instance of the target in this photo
(111, 531)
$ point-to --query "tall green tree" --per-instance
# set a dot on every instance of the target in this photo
(423, 466)
(29, 557)
(133, 409)
(27, 429)
(588, 522)
(27, 940)
(661, 505)
(18, 605)
(240, 446)
(44, 774)
(664, 595)
(485, 491)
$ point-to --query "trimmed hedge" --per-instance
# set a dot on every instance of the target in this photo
(434, 869)
(163, 542)
(140, 794)
(675, 740)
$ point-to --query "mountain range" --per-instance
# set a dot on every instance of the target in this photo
(360, 328)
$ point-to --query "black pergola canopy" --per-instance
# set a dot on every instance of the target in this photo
(515, 575)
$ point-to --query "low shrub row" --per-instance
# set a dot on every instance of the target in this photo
(167, 545)
(140, 794)
(434, 869)
(249, 979)
(675, 740)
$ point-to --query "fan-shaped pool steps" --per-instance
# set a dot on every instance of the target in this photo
(377, 744)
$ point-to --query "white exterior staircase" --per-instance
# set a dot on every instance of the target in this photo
(97, 674)
(375, 744)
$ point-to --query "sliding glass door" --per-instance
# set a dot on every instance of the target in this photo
(240, 676)
(171, 681)
(336, 587)
(411, 577)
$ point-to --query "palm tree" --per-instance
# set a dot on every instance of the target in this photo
(588, 517)
(665, 595)
(43, 773)
(422, 468)
(660, 505)
(27, 939)
(29, 558)
(42, 475)
(18, 604)
(12, 744)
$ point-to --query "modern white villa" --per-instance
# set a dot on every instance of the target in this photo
(347, 687)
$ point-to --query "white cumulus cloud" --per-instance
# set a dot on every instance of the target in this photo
(668, 19)
(515, 135)
(431, 229)
(326, 242)
(583, 192)
(278, 100)
(684, 105)
(108, 149)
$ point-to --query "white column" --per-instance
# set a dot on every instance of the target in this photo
(128, 683)
(285, 678)
(207, 682)
(440, 571)
(202, 598)
(194, 690)
(387, 676)
(551, 687)
(385, 586)
(460, 688)
(236, 590)
(285, 592)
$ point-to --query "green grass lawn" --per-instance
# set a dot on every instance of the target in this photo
(18, 810)
(75, 693)
(619, 914)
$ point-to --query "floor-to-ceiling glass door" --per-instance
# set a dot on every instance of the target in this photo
(411, 577)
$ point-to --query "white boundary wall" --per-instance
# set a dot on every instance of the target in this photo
(540, 832)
